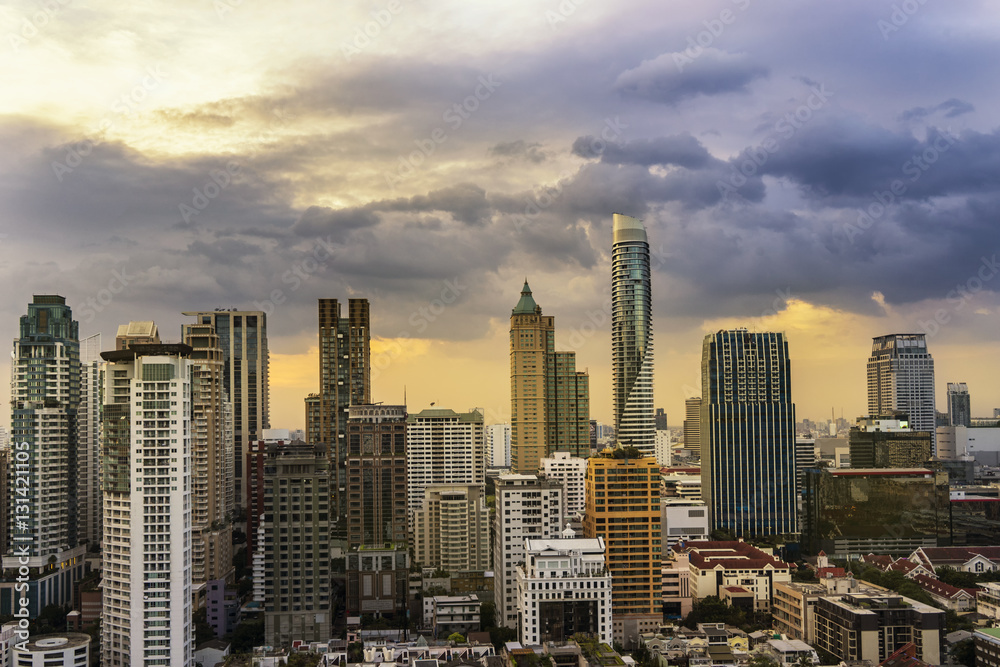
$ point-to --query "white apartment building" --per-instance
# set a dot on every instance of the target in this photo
(563, 587)
(570, 471)
(662, 448)
(146, 615)
(498, 445)
(682, 520)
(526, 507)
(443, 447)
(88, 425)
(452, 528)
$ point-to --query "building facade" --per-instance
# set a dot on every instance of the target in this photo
(443, 447)
(623, 508)
(563, 588)
(716, 565)
(888, 442)
(692, 425)
(376, 475)
(452, 528)
(549, 398)
(632, 334)
(748, 433)
(526, 507)
(242, 337)
(344, 380)
(959, 405)
(901, 378)
(91, 511)
(498, 445)
(571, 472)
(146, 476)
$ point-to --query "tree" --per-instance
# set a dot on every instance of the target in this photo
(804, 661)
(500, 635)
(953, 577)
(247, 635)
(762, 660)
(202, 630)
(964, 653)
(456, 637)
(487, 616)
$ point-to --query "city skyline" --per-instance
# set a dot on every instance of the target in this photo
(207, 155)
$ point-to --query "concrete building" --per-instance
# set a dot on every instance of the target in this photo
(805, 458)
(43, 478)
(222, 605)
(748, 433)
(864, 626)
(988, 600)
(141, 333)
(146, 477)
(89, 505)
(663, 448)
(498, 445)
(213, 459)
(683, 483)
(963, 559)
(71, 649)
(692, 425)
(623, 508)
(717, 564)
(632, 335)
(376, 475)
(793, 603)
(242, 338)
(452, 528)
(901, 378)
(682, 520)
(256, 457)
(292, 560)
(959, 407)
(447, 614)
(676, 574)
(571, 472)
(549, 398)
(987, 642)
(888, 442)
(443, 447)
(526, 507)
(378, 580)
(563, 588)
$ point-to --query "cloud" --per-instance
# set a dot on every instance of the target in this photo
(952, 108)
(519, 149)
(714, 72)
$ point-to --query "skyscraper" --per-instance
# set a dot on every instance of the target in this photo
(443, 447)
(748, 433)
(45, 397)
(549, 398)
(212, 456)
(146, 477)
(632, 335)
(243, 341)
(376, 475)
(344, 380)
(91, 509)
(959, 406)
(692, 425)
(901, 377)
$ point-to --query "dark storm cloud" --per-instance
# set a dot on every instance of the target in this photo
(951, 108)
(682, 150)
(519, 149)
(673, 77)
(465, 201)
(324, 221)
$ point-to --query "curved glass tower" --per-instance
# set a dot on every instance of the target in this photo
(632, 335)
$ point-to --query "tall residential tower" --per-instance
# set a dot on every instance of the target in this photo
(632, 335)
(901, 377)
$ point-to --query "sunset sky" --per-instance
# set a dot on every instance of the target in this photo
(831, 170)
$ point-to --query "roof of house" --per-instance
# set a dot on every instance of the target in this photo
(942, 555)
(707, 554)
(939, 588)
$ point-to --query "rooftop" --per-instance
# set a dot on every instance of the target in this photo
(730, 555)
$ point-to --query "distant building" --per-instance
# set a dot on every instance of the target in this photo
(70, 648)
(571, 472)
(222, 607)
(886, 510)
(498, 445)
(662, 448)
(719, 564)
(901, 377)
(443, 447)
(959, 407)
(376, 475)
(676, 574)
(452, 528)
(805, 458)
(564, 588)
(661, 419)
(89, 496)
(447, 614)
(682, 520)
(963, 559)
(888, 442)
(378, 580)
(692, 425)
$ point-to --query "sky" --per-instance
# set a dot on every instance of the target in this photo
(829, 170)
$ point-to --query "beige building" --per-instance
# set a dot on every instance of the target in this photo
(452, 529)
(212, 458)
(716, 565)
(144, 332)
(550, 400)
(793, 604)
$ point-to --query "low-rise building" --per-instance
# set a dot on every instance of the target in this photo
(963, 559)
(988, 600)
(987, 642)
(447, 614)
(677, 602)
(682, 520)
(789, 652)
(957, 599)
(793, 605)
(715, 565)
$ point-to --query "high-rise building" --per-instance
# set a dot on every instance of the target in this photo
(959, 407)
(888, 442)
(45, 397)
(661, 419)
(88, 435)
(243, 341)
(527, 507)
(901, 377)
(549, 398)
(376, 475)
(623, 507)
(748, 433)
(443, 447)
(344, 380)
(292, 561)
(692, 425)
(256, 505)
(570, 471)
(632, 335)
(212, 456)
(146, 477)
(498, 445)
(452, 528)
